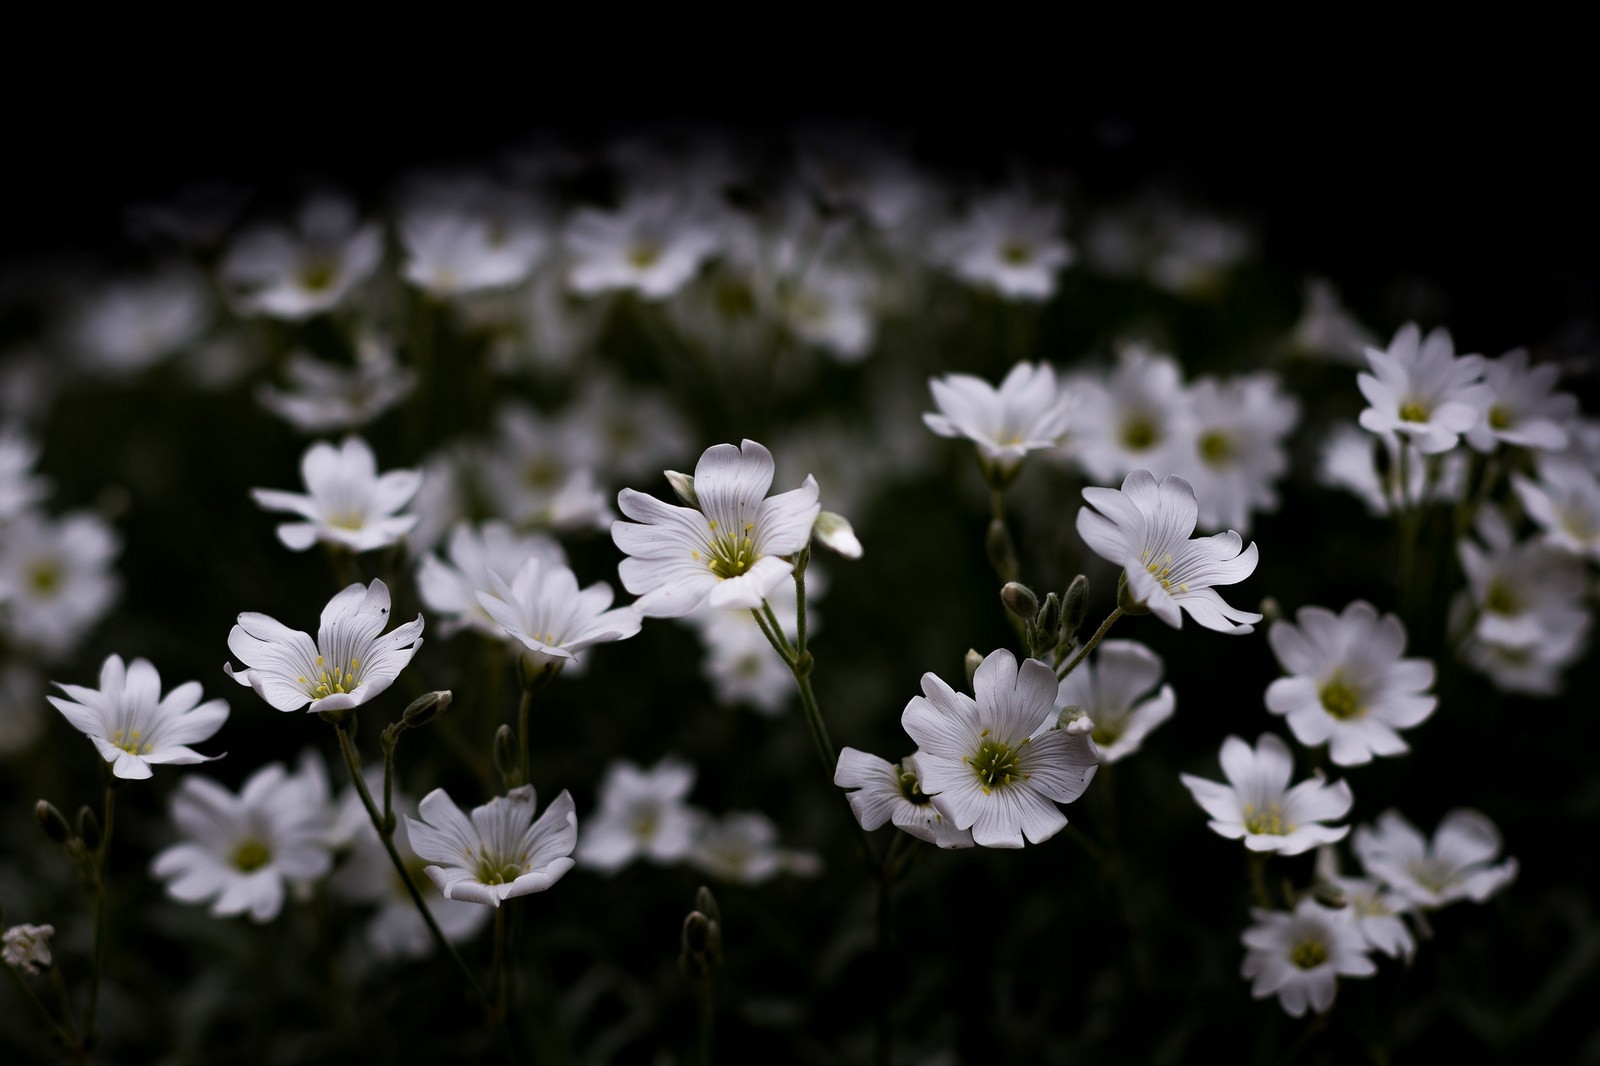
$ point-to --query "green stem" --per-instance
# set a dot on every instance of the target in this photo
(524, 709)
(1258, 879)
(774, 637)
(886, 983)
(1099, 635)
(101, 891)
(705, 1019)
(67, 1039)
(800, 564)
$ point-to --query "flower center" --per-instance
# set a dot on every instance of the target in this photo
(1412, 411)
(1498, 417)
(1015, 253)
(645, 824)
(1107, 730)
(44, 577)
(347, 519)
(1161, 570)
(1341, 700)
(1499, 599)
(1138, 433)
(541, 473)
(1432, 874)
(732, 554)
(251, 855)
(317, 275)
(911, 789)
(1266, 821)
(996, 763)
(1309, 954)
(1216, 447)
(329, 682)
(644, 255)
(491, 871)
(132, 743)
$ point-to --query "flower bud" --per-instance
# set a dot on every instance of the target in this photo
(52, 822)
(89, 828)
(834, 531)
(1048, 621)
(683, 486)
(506, 760)
(1074, 721)
(1019, 600)
(706, 903)
(972, 662)
(1075, 607)
(1002, 556)
(425, 708)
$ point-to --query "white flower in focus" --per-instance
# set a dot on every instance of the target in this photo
(1565, 504)
(1420, 390)
(1258, 806)
(27, 948)
(1521, 409)
(1108, 687)
(1457, 864)
(543, 609)
(1009, 242)
(20, 489)
(240, 851)
(1145, 529)
(642, 814)
(1134, 419)
(996, 764)
(324, 397)
(130, 723)
(1348, 687)
(352, 661)
(294, 274)
(1232, 449)
(1300, 956)
(347, 503)
(1027, 412)
(650, 245)
(729, 553)
(501, 851)
(892, 792)
(55, 579)
(742, 847)
(451, 588)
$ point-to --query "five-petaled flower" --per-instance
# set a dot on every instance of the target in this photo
(1258, 806)
(133, 726)
(501, 851)
(348, 502)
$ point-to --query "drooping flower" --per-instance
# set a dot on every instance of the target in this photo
(1419, 389)
(1113, 687)
(1457, 864)
(729, 552)
(642, 813)
(1145, 529)
(883, 791)
(1027, 412)
(1348, 687)
(1300, 956)
(351, 661)
(1258, 806)
(543, 609)
(996, 764)
(348, 503)
(130, 723)
(240, 851)
(501, 851)
(323, 397)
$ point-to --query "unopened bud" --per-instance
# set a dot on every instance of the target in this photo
(973, 661)
(88, 828)
(1075, 606)
(52, 822)
(683, 486)
(505, 757)
(1002, 556)
(1074, 721)
(1019, 600)
(834, 531)
(425, 708)
(1270, 610)
(1048, 620)
(1125, 598)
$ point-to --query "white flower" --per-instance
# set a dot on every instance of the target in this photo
(1375, 912)
(1134, 419)
(885, 792)
(1027, 412)
(1231, 450)
(55, 579)
(501, 851)
(650, 245)
(1523, 593)
(1349, 462)
(240, 850)
(1348, 687)
(1009, 242)
(325, 396)
(543, 608)
(1326, 329)
(739, 660)
(996, 764)
(1521, 408)
(730, 552)
(468, 236)
(1144, 528)
(742, 847)
(130, 723)
(296, 274)
(642, 813)
(1534, 668)
(347, 502)
(1565, 504)
(349, 664)
(628, 432)
(20, 489)
(1420, 390)
(830, 306)
(1107, 687)
(1300, 956)
(1457, 864)
(129, 325)
(27, 947)
(1258, 806)
(535, 475)
(451, 588)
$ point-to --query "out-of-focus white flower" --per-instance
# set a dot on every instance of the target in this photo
(650, 245)
(1565, 503)
(543, 609)
(451, 588)
(20, 487)
(1534, 669)
(347, 502)
(1172, 246)
(854, 169)
(323, 397)
(1376, 913)
(130, 723)
(623, 430)
(1010, 242)
(1144, 528)
(996, 764)
(1108, 687)
(1258, 806)
(832, 308)
(1232, 449)
(1521, 407)
(1457, 864)
(294, 274)
(132, 324)
(502, 851)
(1300, 956)
(1134, 419)
(21, 700)
(742, 847)
(1348, 687)
(530, 473)
(240, 851)
(1522, 593)
(352, 661)
(1419, 390)
(1326, 329)
(1348, 462)
(642, 813)
(730, 552)
(885, 792)
(27, 948)
(739, 660)
(467, 236)
(1027, 412)
(55, 579)
(442, 501)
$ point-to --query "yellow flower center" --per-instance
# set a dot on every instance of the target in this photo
(1217, 448)
(1016, 253)
(644, 255)
(132, 743)
(1267, 821)
(1138, 433)
(44, 577)
(1341, 700)
(996, 764)
(732, 554)
(251, 855)
(1498, 417)
(1309, 954)
(317, 275)
(333, 681)
(1412, 411)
